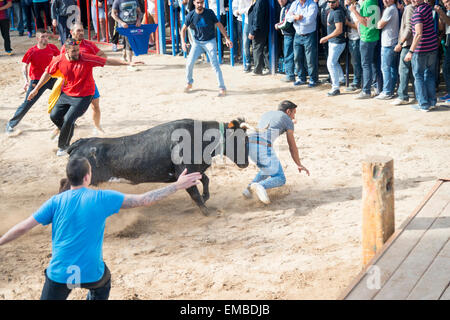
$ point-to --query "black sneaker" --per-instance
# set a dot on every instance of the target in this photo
(247, 69)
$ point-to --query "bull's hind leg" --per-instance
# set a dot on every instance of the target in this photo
(205, 183)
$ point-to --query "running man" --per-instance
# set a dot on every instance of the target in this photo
(78, 90)
(78, 219)
(88, 47)
(271, 126)
(35, 60)
(204, 23)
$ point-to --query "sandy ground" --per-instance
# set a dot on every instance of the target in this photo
(305, 245)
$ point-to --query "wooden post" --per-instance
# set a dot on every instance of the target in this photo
(378, 204)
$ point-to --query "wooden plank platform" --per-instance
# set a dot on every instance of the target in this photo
(415, 262)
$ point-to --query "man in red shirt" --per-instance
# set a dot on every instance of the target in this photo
(86, 46)
(78, 90)
(35, 60)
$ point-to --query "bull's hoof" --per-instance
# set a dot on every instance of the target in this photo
(205, 211)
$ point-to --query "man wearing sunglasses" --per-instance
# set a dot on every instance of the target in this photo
(336, 44)
(78, 90)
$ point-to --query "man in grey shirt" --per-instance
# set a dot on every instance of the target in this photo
(405, 38)
(271, 126)
(388, 24)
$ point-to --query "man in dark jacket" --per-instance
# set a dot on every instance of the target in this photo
(62, 11)
(258, 33)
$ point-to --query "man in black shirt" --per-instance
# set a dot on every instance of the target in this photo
(336, 44)
(204, 23)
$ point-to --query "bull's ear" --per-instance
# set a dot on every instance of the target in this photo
(230, 125)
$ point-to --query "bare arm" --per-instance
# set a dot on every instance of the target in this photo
(339, 29)
(293, 150)
(6, 6)
(419, 30)
(18, 230)
(442, 16)
(25, 76)
(147, 199)
(362, 20)
(224, 34)
(101, 54)
(115, 16)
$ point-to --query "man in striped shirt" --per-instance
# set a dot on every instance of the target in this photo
(423, 55)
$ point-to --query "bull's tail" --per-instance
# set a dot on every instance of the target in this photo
(64, 185)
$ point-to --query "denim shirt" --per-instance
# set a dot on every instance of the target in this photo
(309, 11)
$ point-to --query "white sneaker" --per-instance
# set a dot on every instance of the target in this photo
(260, 192)
(399, 102)
(61, 152)
(246, 193)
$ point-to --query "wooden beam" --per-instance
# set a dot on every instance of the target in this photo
(378, 204)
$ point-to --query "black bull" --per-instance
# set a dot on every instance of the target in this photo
(161, 153)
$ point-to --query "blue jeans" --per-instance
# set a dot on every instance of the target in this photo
(246, 44)
(288, 51)
(26, 105)
(424, 71)
(405, 74)
(446, 68)
(353, 46)
(305, 48)
(210, 47)
(367, 50)
(271, 173)
(334, 68)
(389, 69)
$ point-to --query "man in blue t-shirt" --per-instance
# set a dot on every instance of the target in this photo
(203, 21)
(260, 150)
(78, 220)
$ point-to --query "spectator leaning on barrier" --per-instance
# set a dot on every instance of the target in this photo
(258, 33)
(404, 43)
(423, 55)
(61, 10)
(369, 35)
(388, 24)
(336, 44)
(304, 15)
(353, 46)
(4, 25)
(445, 18)
(288, 32)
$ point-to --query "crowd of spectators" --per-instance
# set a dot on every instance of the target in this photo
(390, 43)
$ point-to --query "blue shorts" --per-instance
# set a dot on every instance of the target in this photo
(96, 94)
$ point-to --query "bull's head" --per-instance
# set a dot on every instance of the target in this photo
(236, 142)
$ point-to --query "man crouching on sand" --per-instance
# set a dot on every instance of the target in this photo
(271, 126)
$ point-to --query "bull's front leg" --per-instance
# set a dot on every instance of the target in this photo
(205, 183)
(193, 191)
(198, 199)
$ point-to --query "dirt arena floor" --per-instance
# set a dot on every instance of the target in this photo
(305, 245)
